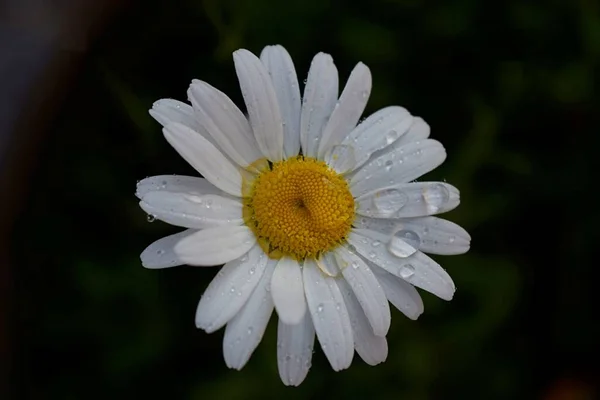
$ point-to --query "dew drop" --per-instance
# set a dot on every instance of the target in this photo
(160, 252)
(404, 243)
(376, 243)
(389, 201)
(320, 308)
(355, 265)
(151, 218)
(406, 271)
(391, 137)
(451, 239)
(232, 290)
(250, 330)
(435, 197)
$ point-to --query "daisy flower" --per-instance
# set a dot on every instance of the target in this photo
(314, 215)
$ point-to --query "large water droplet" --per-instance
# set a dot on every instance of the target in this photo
(391, 137)
(389, 201)
(341, 158)
(435, 197)
(406, 271)
(404, 243)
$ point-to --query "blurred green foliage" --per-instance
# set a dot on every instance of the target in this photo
(508, 87)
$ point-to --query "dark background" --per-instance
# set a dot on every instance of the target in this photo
(509, 87)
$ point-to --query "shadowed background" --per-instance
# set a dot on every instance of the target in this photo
(510, 88)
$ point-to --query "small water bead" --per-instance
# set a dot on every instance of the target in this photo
(389, 201)
(151, 218)
(376, 243)
(250, 330)
(232, 290)
(404, 243)
(160, 252)
(391, 137)
(436, 196)
(389, 164)
(406, 271)
(320, 308)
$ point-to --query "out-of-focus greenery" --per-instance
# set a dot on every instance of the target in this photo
(509, 87)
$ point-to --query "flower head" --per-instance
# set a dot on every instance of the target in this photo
(315, 215)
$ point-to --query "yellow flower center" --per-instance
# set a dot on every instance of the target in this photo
(299, 207)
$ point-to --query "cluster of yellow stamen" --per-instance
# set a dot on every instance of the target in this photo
(298, 207)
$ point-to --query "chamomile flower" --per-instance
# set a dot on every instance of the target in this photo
(314, 215)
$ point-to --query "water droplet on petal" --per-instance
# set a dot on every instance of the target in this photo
(160, 252)
(151, 218)
(376, 243)
(406, 271)
(320, 308)
(389, 201)
(391, 137)
(250, 330)
(404, 243)
(435, 196)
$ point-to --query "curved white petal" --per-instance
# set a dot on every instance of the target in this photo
(245, 331)
(419, 130)
(160, 254)
(320, 97)
(280, 66)
(348, 110)
(400, 166)
(367, 290)
(288, 291)
(230, 289)
(167, 111)
(215, 246)
(377, 131)
(192, 211)
(431, 235)
(294, 350)
(224, 121)
(371, 348)
(261, 103)
(400, 293)
(329, 316)
(415, 199)
(176, 183)
(418, 269)
(204, 157)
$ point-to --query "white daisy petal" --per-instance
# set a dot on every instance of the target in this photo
(341, 158)
(261, 103)
(400, 293)
(400, 166)
(294, 350)
(224, 121)
(192, 211)
(288, 291)
(419, 130)
(417, 269)
(230, 289)
(167, 111)
(320, 97)
(204, 157)
(429, 234)
(348, 110)
(160, 254)
(280, 66)
(245, 331)
(378, 131)
(329, 316)
(366, 288)
(176, 183)
(215, 246)
(371, 348)
(405, 200)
